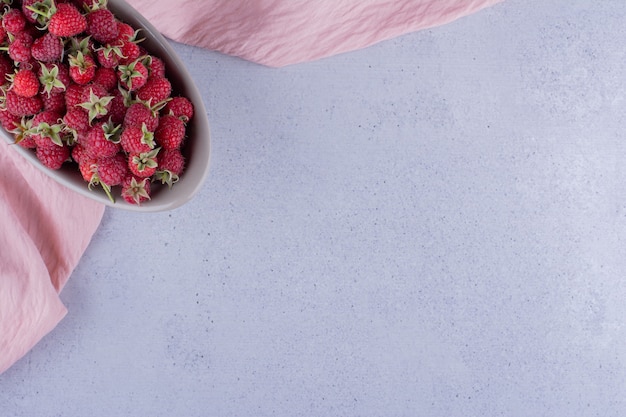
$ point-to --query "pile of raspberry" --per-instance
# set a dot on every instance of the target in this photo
(80, 90)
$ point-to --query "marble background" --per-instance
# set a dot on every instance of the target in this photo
(432, 226)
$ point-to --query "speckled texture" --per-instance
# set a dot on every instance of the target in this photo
(433, 226)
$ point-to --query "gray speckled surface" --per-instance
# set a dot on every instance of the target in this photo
(433, 226)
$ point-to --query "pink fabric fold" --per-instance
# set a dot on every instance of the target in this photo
(45, 229)
(283, 32)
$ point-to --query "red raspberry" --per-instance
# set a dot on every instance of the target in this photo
(130, 52)
(117, 112)
(6, 67)
(144, 164)
(85, 4)
(155, 90)
(136, 139)
(132, 76)
(13, 21)
(82, 68)
(22, 106)
(47, 48)
(102, 25)
(73, 95)
(53, 157)
(125, 31)
(92, 88)
(170, 132)
(109, 55)
(53, 102)
(54, 77)
(172, 160)
(28, 142)
(97, 145)
(29, 15)
(46, 128)
(112, 170)
(79, 154)
(96, 100)
(87, 167)
(139, 113)
(9, 121)
(76, 120)
(19, 48)
(180, 107)
(156, 67)
(67, 21)
(135, 190)
(106, 77)
(25, 83)
(171, 166)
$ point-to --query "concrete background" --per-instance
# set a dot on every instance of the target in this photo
(432, 226)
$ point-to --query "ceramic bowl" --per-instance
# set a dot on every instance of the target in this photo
(197, 143)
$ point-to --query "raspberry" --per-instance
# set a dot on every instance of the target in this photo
(144, 164)
(96, 101)
(109, 56)
(19, 48)
(74, 95)
(101, 25)
(47, 129)
(6, 67)
(155, 90)
(47, 48)
(170, 132)
(135, 190)
(117, 112)
(156, 67)
(25, 83)
(54, 77)
(67, 21)
(136, 139)
(106, 77)
(171, 166)
(132, 76)
(79, 154)
(138, 114)
(9, 121)
(13, 21)
(53, 157)
(112, 170)
(54, 102)
(88, 168)
(125, 31)
(130, 51)
(29, 15)
(180, 107)
(82, 68)
(97, 143)
(76, 120)
(22, 106)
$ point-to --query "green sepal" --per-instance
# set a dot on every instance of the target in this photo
(50, 79)
(146, 159)
(96, 106)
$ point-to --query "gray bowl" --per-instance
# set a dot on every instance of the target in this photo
(197, 144)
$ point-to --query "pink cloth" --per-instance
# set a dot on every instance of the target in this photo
(45, 229)
(283, 32)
